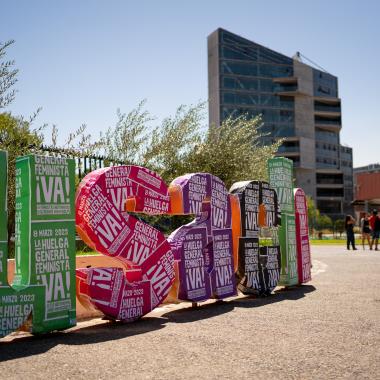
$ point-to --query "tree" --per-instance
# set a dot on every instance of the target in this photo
(324, 222)
(173, 144)
(7, 76)
(127, 141)
(16, 137)
(234, 151)
(339, 226)
(312, 214)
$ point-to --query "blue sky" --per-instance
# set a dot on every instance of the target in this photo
(81, 60)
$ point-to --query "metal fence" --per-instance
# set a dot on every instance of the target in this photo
(83, 164)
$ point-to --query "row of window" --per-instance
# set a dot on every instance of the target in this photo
(256, 70)
(265, 100)
(327, 153)
(278, 130)
(325, 85)
(269, 115)
(235, 47)
(346, 149)
(329, 179)
(291, 149)
(322, 120)
(326, 162)
(347, 164)
(251, 84)
(322, 192)
(329, 207)
(318, 106)
(326, 146)
(326, 136)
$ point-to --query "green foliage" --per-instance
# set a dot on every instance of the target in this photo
(173, 144)
(312, 214)
(7, 76)
(127, 140)
(17, 137)
(184, 144)
(324, 222)
(233, 151)
(339, 226)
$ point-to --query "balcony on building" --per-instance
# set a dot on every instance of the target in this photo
(286, 86)
(290, 148)
(330, 179)
(330, 193)
(327, 109)
(330, 122)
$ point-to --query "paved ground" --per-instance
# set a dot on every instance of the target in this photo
(327, 329)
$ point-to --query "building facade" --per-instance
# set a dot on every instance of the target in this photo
(367, 189)
(296, 101)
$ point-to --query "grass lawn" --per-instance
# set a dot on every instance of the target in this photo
(358, 242)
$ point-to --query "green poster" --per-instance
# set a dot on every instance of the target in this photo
(288, 245)
(45, 234)
(15, 306)
(3, 218)
(280, 173)
(44, 280)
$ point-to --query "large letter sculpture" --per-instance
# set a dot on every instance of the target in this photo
(44, 282)
(281, 179)
(258, 267)
(103, 223)
(203, 248)
(3, 219)
(302, 237)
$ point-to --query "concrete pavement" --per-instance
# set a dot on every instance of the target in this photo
(327, 329)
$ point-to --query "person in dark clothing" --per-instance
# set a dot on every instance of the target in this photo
(349, 225)
(374, 222)
(366, 230)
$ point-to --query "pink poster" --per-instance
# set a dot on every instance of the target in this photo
(203, 248)
(302, 236)
(103, 223)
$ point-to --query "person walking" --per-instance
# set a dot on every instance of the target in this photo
(374, 222)
(366, 230)
(349, 225)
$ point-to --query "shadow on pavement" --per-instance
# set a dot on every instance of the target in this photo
(34, 345)
(292, 294)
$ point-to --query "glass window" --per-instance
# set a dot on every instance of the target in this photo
(318, 106)
(266, 85)
(326, 136)
(249, 69)
(239, 98)
(275, 71)
(286, 115)
(228, 82)
(323, 192)
(325, 84)
(329, 121)
(246, 84)
(328, 207)
(239, 52)
(286, 102)
(267, 55)
(329, 179)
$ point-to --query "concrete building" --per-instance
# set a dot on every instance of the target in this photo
(296, 101)
(367, 189)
